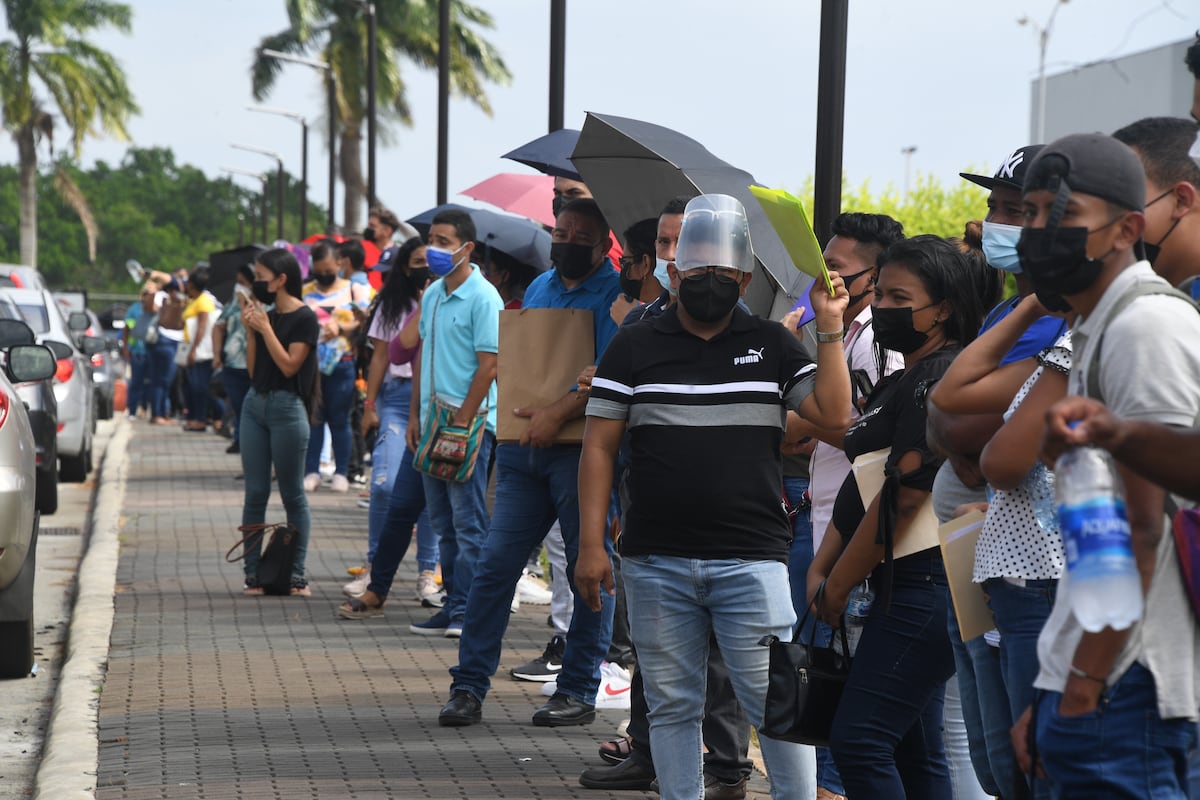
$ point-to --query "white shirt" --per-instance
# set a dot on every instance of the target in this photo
(1012, 543)
(829, 465)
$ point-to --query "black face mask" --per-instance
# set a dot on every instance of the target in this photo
(262, 294)
(418, 277)
(894, 329)
(1056, 259)
(573, 261)
(632, 287)
(1052, 302)
(325, 278)
(1152, 250)
(849, 279)
(556, 205)
(709, 297)
(369, 234)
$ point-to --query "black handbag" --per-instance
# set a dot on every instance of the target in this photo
(277, 558)
(804, 686)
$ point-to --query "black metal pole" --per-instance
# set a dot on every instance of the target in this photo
(303, 179)
(831, 106)
(558, 60)
(279, 201)
(372, 44)
(241, 229)
(331, 87)
(443, 146)
(262, 212)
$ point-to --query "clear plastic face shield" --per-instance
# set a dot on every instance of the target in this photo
(715, 233)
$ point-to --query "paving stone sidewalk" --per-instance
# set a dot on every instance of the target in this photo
(211, 694)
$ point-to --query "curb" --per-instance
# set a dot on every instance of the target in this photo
(70, 755)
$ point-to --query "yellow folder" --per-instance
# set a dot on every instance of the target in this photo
(787, 217)
(957, 538)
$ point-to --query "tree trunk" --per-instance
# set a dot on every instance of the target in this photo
(352, 178)
(27, 194)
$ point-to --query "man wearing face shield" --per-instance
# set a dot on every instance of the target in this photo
(1118, 708)
(703, 390)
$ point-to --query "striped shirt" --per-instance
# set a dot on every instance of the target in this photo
(705, 420)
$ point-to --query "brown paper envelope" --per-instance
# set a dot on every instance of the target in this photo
(922, 535)
(542, 352)
(957, 538)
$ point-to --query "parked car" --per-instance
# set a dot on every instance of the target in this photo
(73, 383)
(16, 276)
(23, 363)
(41, 406)
(107, 364)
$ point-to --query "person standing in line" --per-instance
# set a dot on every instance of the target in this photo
(229, 351)
(138, 322)
(169, 307)
(281, 357)
(198, 317)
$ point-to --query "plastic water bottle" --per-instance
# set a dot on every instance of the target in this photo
(858, 608)
(1040, 485)
(1104, 588)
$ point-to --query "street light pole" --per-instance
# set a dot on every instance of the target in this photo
(263, 196)
(296, 117)
(372, 45)
(249, 148)
(831, 110)
(1043, 40)
(331, 90)
(443, 147)
(907, 152)
(558, 59)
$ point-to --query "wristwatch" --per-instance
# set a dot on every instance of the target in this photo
(827, 338)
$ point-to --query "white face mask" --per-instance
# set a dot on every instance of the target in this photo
(1000, 246)
(661, 275)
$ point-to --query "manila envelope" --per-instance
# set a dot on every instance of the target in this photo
(957, 538)
(542, 352)
(922, 535)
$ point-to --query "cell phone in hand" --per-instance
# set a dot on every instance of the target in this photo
(243, 291)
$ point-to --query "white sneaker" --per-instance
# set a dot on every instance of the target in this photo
(428, 591)
(533, 591)
(340, 484)
(550, 688)
(615, 683)
(312, 481)
(357, 586)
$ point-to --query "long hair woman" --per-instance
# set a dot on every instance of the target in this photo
(887, 735)
(281, 357)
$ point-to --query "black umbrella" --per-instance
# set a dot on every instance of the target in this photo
(634, 168)
(521, 238)
(550, 154)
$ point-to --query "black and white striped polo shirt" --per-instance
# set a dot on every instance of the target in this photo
(705, 419)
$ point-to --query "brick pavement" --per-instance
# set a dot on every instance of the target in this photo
(211, 694)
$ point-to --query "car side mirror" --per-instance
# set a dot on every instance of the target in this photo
(78, 321)
(90, 345)
(15, 331)
(30, 362)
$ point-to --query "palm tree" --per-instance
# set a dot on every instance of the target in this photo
(335, 32)
(84, 84)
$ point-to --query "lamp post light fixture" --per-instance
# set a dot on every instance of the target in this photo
(331, 95)
(295, 116)
(249, 148)
(907, 152)
(261, 176)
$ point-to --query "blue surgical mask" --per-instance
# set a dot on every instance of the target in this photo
(440, 261)
(660, 274)
(1000, 246)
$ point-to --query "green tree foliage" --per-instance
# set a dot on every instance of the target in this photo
(166, 215)
(929, 206)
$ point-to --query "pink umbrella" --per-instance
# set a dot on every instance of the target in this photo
(530, 196)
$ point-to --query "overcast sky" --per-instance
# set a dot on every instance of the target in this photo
(950, 77)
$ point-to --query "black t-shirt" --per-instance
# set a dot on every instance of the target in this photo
(895, 417)
(705, 422)
(298, 326)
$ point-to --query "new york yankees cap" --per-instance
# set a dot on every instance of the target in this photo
(1090, 163)
(1011, 173)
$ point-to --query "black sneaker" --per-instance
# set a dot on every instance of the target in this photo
(546, 666)
(233, 448)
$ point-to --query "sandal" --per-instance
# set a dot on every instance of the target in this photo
(355, 608)
(251, 587)
(616, 751)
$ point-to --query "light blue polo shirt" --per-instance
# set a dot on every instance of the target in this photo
(453, 329)
(596, 294)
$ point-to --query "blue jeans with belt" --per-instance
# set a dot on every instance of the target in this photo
(274, 430)
(392, 405)
(337, 396)
(887, 735)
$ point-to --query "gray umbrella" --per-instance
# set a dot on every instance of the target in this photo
(634, 168)
(521, 238)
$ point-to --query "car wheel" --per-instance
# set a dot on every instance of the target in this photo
(16, 648)
(89, 465)
(74, 469)
(47, 490)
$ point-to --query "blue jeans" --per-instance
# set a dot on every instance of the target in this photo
(534, 486)
(985, 709)
(139, 364)
(458, 513)
(887, 735)
(392, 405)
(337, 396)
(1122, 749)
(237, 383)
(1020, 613)
(199, 375)
(274, 430)
(679, 603)
(162, 372)
(405, 505)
